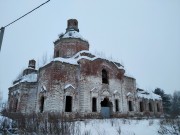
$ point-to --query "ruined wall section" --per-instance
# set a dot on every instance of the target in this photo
(144, 109)
(22, 97)
(129, 92)
(91, 83)
(31, 96)
(53, 79)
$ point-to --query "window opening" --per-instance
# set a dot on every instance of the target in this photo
(130, 105)
(141, 107)
(150, 107)
(117, 105)
(68, 106)
(94, 107)
(57, 53)
(42, 104)
(158, 109)
(104, 76)
(16, 105)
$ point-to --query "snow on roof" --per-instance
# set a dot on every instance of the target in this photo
(28, 78)
(129, 94)
(115, 91)
(74, 60)
(30, 68)
(69, 85)
(66, 60)
(148, 95)
(72, 34)
(43, 88)
(93, 89)
(79, 56)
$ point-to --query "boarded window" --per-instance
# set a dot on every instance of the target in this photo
(94, 107)
(141, 107)
(117, 105)
(42, 104)
(150, 107)
(68, 106)
(130, 106)
(158, 109)
(104, 76)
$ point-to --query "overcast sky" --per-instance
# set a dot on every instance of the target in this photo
(143, 34)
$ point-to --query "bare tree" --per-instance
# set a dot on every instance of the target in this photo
(44, 58)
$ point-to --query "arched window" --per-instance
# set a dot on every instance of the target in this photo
(158, 109)
(11, 105)
(42, 104)
(150, 107)
(130, 106)
(68, 105)
(117, 105)
(141, 107)
(105, 77)
(15, 105)
(57, 53)
(94, 106)
(75, 23)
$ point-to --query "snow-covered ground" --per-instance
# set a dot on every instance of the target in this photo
(119, 127)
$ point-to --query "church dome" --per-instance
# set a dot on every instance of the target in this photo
(71, 42)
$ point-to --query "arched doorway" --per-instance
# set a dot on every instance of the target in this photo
(106, 108)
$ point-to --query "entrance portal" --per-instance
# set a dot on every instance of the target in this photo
(106, 108)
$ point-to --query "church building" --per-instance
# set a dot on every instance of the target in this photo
(78, 81)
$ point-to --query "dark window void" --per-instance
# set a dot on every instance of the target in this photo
(141, 107)
(105, 103)
(158, 109)
(11, 106)
(75, 23)
(150, 107)
(130, 106)
(68, 106)
(104, 76)
(94, 107)
(57, 53)
(117, 105)
(42, 104)
(15, 105)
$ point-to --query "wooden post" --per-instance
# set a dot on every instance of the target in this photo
(1, 36)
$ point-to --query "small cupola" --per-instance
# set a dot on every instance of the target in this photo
(31, 68)
(32, 64)
(72, 25)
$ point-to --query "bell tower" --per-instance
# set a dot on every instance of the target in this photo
(71, 42)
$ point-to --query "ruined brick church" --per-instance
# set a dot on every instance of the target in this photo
(78, 81)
